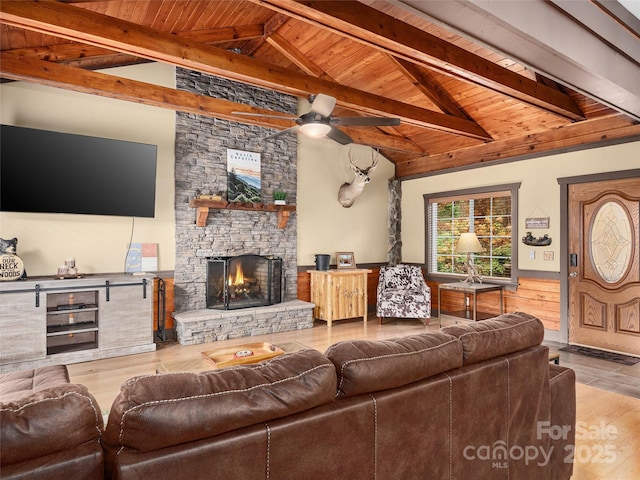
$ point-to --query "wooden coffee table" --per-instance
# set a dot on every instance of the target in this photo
(202, 364)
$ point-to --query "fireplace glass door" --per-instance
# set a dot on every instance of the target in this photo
(243, 281)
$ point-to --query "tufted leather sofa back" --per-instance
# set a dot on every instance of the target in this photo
(49, 428)
(423, 406)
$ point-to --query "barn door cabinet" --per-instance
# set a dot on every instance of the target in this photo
(339, 294)
(44, 321)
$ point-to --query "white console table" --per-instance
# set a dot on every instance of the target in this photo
(46, 321)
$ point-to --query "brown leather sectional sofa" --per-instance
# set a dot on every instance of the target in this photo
(474, 401)
(49, 428)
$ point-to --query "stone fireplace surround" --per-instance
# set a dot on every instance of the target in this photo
(200, 168)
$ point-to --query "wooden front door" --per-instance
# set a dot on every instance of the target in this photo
(604, 269)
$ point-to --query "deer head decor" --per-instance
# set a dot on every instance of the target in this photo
(350, 191)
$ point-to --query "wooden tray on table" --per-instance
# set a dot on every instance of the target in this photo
(241, 354)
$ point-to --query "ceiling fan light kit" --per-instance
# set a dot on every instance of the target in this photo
(318, 122)
(315, 130)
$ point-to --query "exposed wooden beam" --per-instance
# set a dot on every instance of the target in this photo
(68, 52)
(373, 138)
(429, 86)
(602, 129)
(296, 57)
(383, 32)
(62, 53)
(55, 18)
(95, 83)
(270, 27)
(224, 34)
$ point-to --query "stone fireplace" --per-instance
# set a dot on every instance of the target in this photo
(243, 281)
(201, 169)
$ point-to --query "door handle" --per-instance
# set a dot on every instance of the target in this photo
(573, 274)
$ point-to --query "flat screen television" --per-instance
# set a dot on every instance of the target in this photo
(52, 172)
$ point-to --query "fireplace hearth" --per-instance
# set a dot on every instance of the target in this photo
(243, 281)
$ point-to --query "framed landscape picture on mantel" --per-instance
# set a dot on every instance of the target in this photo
(243, 176)
(345, 260)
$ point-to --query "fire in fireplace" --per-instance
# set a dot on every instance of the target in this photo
(243, 281)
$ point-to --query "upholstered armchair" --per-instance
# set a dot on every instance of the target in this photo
(403, 293)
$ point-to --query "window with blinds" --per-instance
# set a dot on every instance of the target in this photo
(489, 214)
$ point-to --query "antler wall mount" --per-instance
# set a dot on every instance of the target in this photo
(349, 192)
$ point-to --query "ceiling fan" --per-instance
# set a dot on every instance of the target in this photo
(318, 122)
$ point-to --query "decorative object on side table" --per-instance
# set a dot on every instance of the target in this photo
(345, 260)
(11, 265)
(142, 257)
(322, 261)
(469, 243)
(279, 197)
(68, 270)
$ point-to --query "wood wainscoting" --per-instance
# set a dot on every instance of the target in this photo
(537, 296)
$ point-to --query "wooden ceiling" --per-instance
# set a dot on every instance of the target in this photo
(460, 104)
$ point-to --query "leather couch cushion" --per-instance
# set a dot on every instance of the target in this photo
(500, 335)
(157, 411)
(51, 420)
(17, 385)
(368, 366)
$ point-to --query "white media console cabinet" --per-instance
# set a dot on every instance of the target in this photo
(45, 321)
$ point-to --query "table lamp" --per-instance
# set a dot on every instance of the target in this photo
(469, 243)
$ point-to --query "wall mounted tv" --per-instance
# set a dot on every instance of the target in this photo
(52, 172)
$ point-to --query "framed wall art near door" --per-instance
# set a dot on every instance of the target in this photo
(345, 260)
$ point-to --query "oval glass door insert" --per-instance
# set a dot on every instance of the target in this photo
(611, 242)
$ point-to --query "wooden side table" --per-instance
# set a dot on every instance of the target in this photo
(472, 290)
(339, 294)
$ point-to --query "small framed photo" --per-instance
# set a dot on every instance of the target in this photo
(345, 260)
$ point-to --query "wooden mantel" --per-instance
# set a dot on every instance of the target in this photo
(203, 206)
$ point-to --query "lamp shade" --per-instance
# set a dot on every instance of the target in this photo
(468, 243)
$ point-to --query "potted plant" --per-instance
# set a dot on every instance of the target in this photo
(279, 198)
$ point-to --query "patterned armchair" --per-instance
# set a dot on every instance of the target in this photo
(403, 293)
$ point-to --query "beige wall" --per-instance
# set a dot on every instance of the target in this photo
(539, 195)
(324, 225)
(98, 243)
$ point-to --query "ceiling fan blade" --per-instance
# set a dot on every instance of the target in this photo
(366, 121)
(290, 117)
(339, 136)
(282, 132)
(323, 105)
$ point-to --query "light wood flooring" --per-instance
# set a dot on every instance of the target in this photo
(608, 394)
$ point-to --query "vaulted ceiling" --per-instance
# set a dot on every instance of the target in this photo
(461, 101)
